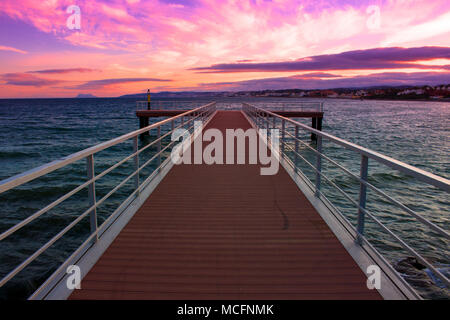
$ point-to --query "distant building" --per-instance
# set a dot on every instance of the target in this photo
(411, 91)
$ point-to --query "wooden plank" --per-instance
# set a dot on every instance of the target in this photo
(226, 232)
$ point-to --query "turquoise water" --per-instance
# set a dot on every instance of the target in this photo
(36, 131)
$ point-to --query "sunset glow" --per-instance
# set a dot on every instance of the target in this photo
(126, 46)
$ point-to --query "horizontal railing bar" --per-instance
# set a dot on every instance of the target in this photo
(425, 176)
(405, 245)
(32, 174)
(79, 188)
(430, 224)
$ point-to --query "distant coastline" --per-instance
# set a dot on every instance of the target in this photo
(440, 93)
(403, 93)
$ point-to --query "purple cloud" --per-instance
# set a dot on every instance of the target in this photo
(379, 58)
(299, 82)
(98, 84)
(24, 79)
(318, 75)
(62, 71)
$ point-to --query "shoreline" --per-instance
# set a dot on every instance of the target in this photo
(381, 99)
(181, 97)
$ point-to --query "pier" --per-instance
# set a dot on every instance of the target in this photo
(223, 231)
(229, 234)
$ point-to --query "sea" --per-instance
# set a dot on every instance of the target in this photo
(34, 132)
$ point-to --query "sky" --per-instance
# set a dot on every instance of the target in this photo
(61, 48)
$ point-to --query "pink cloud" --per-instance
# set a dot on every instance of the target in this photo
(5, 48)
(25, 79)
(99, 84)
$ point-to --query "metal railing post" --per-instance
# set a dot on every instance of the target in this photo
(296, 149)
(318, 165)
(159, 146)
(91, 195)
(362, 198)
(283, 136)
(260, 122)
(136, 163)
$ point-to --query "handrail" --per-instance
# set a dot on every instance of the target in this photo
(260, 117)
(32, 174)
(203, 113)
(372, 187)
(424, 176)
(313, 106)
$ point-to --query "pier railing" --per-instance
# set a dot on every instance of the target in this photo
(307, 106)
(156, 104)
(289, 145)
(185, 120)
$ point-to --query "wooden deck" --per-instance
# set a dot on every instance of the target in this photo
(226, 232)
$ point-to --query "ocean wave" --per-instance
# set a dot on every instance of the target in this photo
(18, 154)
